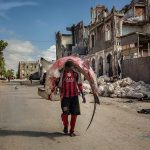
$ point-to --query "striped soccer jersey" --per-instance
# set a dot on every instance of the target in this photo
(70, 84)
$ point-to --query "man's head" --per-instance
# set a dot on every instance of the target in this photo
(68, 65)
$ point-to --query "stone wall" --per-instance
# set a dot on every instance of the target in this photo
(26, 68)
(138, 69)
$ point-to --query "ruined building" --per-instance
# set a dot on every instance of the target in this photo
(63, 45)
(111, 37)
(80, 38)
(26, 68)
(74, 43)
(118, 35)
(135, 38)
(104, 30)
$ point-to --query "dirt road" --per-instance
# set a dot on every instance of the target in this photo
(28, 122)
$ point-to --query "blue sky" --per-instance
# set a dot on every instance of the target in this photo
(29, 26)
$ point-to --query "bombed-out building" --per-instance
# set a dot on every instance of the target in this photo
(118, 35)
(75, 43)
(80, 38)
(63, 45)
(27, 68)
(112, 37)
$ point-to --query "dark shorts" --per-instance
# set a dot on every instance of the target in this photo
(70, 105)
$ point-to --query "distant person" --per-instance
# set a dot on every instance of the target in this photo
(30, 78)
(8, 79)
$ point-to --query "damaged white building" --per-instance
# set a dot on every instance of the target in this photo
(118, 35)
(115, 36)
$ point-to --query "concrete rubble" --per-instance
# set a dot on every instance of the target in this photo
(124, 88)
(86, 88)
(108, 87)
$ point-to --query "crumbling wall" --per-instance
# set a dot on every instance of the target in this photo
(126, 29)
(147, 28)
(138, 69)
(140, 13)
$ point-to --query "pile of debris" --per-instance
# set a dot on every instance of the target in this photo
(86, 87)
(124, 88)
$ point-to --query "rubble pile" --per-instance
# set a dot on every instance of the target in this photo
(86, 88)
(125, 88)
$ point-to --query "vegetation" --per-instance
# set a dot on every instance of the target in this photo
(3, 72)
(9, 73)
(2, 61)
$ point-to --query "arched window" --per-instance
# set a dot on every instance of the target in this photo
(108, 33)
(92, 41)
(100, 66)
(109, 62)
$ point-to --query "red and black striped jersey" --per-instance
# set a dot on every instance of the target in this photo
(70, 84)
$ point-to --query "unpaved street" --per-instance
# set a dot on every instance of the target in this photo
(28, 122)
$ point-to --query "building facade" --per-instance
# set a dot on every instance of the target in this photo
(135, 37)
(75, 43)
(104, 30)
(63, 45)
(26, 68)
(118, 35)
(80, 37)
(112, 36)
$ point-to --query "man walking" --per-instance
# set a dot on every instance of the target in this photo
(30, 78)
(70, 86)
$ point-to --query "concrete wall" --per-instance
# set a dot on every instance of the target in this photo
(26, 68)
(147, 28)
(137, 69)
(62, 42)
(126, 29)
(129, 13)
(66, 40)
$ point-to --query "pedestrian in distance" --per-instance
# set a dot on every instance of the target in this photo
(9, 79)
(30, 78)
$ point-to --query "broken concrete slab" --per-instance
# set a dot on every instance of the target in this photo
(124, 88)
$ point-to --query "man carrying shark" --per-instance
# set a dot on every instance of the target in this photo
(70, 86)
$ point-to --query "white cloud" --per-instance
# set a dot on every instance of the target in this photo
(49, 54)
(18, 50)
(23, 47)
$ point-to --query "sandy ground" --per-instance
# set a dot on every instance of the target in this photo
(28, 122)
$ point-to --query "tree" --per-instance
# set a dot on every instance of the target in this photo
(2, 61)
(9, 73)
(17, 75)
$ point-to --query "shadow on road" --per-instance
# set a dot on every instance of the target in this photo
(51, 136)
